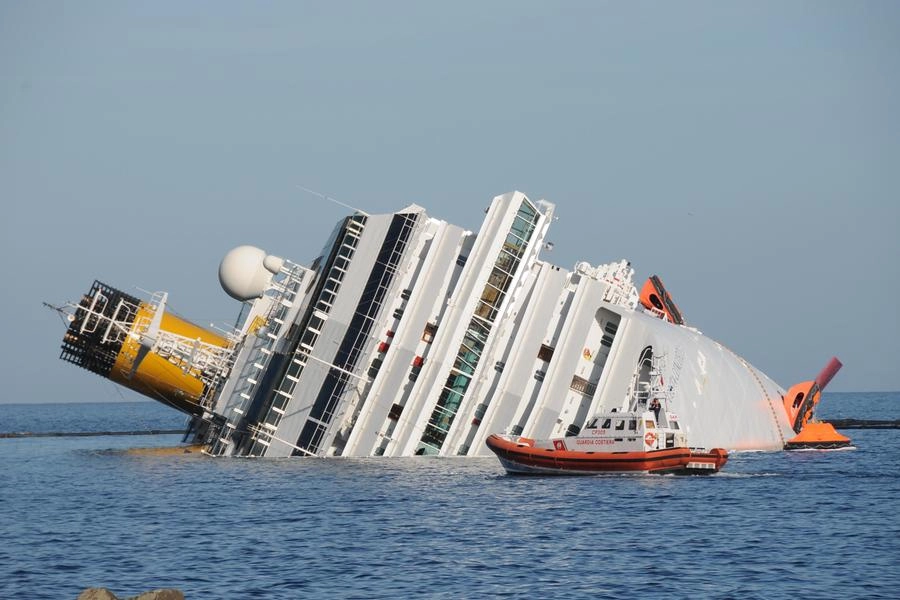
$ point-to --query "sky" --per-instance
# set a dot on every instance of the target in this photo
(748, 153)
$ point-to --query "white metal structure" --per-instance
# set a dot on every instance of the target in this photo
(409, 335)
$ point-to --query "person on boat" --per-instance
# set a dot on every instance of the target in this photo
(655, 407)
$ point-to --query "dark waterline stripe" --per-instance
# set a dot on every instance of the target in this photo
(31, 434)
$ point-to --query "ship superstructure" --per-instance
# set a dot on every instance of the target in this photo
(409, 335)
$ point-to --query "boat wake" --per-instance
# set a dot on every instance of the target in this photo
(732, 474)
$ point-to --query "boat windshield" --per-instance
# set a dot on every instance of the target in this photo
(604, 422)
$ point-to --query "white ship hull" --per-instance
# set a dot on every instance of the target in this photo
(409, 336)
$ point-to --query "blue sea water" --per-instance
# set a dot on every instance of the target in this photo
(77, 512)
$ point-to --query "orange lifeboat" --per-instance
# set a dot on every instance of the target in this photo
(818, 435)
(654, 297)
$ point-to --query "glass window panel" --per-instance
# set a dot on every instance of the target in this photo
(478, 330)
(490, 293)
(463, 366)
(515, 245)
(521, 228)
(458, 382)
(506, 262)
(499, 279)
(528, 211)
(486, 311)
(433, 438)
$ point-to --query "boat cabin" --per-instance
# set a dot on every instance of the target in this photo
(616, 431)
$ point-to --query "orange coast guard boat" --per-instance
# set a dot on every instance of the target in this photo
(615, 442)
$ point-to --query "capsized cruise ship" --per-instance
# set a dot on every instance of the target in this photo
(412, 336)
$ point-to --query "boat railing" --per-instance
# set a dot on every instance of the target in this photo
(642, 396)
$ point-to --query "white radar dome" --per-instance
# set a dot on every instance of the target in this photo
(246, 272)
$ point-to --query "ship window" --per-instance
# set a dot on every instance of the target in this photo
(606, 424)
(620, 425)
(515, 246)
(463, 365)
(500, 279)
(506, 262)
(461, 260)
(279, 403)
(545, 353)
(592, 424)
(632, 424)
(486, 311)
(316, 323)
(294, 369)
(430, 330)
(492, 295)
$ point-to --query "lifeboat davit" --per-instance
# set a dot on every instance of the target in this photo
(617, 442)
(799, 403)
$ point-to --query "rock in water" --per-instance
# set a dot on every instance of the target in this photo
(97, 594)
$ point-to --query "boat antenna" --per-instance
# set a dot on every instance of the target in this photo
(61, 311)
(330, 199)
